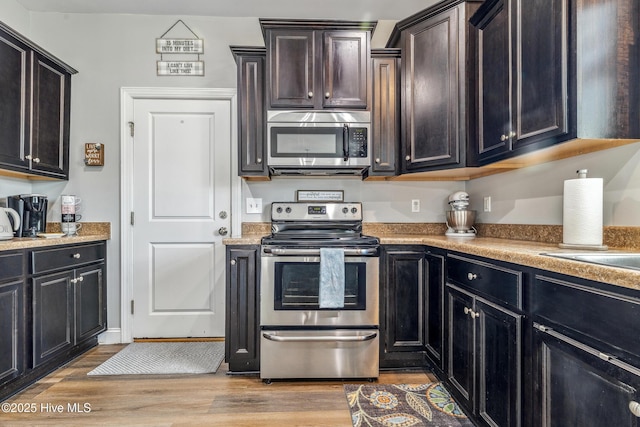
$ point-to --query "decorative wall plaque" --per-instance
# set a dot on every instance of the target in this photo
(320, 196)
(182, 46)
(94, 154)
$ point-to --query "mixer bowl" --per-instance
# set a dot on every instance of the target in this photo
(461, 221)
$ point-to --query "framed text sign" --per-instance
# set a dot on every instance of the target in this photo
(180, 68)
(179, 46)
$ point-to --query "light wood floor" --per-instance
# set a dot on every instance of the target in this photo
(174, 400)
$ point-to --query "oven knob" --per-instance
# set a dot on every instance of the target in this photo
(288, 209)
(279, 209)
(345, 210)
(354, 210)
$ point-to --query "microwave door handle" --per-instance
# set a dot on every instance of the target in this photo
(345, 142)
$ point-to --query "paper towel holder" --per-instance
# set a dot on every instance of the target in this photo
(582, 174)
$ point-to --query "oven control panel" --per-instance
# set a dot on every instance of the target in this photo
(306, 211)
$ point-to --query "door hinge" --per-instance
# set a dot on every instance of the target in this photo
(132, 128)
(132, 218)
(132, 306)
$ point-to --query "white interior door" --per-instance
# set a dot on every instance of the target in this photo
(180, 199)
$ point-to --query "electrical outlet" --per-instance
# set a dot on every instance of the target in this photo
(254, 206)
(415, 205)
(487, 204)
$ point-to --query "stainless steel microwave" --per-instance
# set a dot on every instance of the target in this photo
(318, 142)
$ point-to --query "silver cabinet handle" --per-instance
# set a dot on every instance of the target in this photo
(512, 134)
(306, 252)
(28, 157)
(327, 95)
(233, 262)
(74, 281)
(407, 158)
(467, 310)
(472, 276)
(503, 138)
(223, 231)
(259, 160)
(310, 94)
(471, 313)
(76, 256)
(377, 160)
(327, 338)
(36, 160)
(634, 407)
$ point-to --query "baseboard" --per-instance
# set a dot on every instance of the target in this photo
(110, 336)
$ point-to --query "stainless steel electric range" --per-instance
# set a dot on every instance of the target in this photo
(299, 337)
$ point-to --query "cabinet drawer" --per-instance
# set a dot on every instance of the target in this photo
(65, 257)
(490, 280)
(595, 313)
(10, 265)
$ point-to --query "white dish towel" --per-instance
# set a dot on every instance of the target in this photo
(331, 278)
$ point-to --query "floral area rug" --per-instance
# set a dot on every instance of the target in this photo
(405, 405)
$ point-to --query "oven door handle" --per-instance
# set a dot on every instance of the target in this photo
(347, 252)
(327, 338)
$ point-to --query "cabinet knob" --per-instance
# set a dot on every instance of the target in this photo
(259, 160)
(233, 262)
(28, 157)
(407, 158)
(81, 279)
(36, 160)
(467, 310)
(503, 138)
(327, 95)
(512, 134)
(310, 94)
(74, 281)
(634, 407)
(475, 314)
(378, 160)
(76, 256)
(472, 276)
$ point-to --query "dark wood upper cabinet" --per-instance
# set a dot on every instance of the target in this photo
(385, 112)
(435, 88)
(550, 71)
(35, 89)
(252, 143)
(317, 64)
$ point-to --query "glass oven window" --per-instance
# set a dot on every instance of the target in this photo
(297, 286)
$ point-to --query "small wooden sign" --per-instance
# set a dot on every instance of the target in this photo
(94, 154)
(180, 68)
(179, 46)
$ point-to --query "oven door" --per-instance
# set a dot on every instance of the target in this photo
(290, 292)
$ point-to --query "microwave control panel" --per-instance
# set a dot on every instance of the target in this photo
(358, 142)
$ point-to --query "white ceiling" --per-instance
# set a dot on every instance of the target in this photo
(298, 9)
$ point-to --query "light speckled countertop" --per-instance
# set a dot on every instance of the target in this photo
(515, 251)
(90, 232)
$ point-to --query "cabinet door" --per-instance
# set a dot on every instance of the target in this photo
(52, 316)
(290, 68)
(50, 131)
(242, 309)
(12, 330)
(576, 386)
(460, 345)
(434, 306)
(494, 83)
(252, 142)
(385, 116)
(15, 93)
(498, 333)
(431, 84)
(90, 302)
(346, 69)
(541, 69)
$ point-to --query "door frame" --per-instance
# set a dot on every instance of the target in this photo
(128, 95)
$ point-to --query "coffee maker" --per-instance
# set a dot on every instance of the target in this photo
(32, 209)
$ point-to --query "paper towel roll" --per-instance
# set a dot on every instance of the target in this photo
(582, 212)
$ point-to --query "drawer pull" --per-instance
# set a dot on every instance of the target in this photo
(467, 310)
(472, 276)
(76, 256)
(634, 407)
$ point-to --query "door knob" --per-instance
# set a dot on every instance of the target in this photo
(222, 214)
(223, 231)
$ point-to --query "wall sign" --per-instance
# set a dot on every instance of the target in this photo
(182, 46)
(93, 154)
(320, 196)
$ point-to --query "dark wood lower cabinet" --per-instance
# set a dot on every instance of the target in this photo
(242, 335)
(577, 385)
(52, 310)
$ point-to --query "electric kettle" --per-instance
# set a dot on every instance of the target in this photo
(6, 230)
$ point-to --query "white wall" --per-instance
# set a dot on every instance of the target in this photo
(114, 51)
